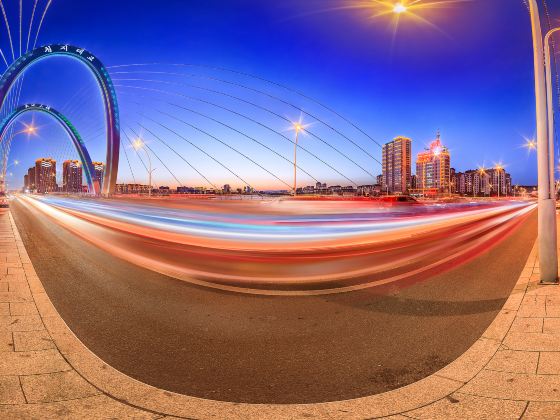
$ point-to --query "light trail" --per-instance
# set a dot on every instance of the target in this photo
(288, 247)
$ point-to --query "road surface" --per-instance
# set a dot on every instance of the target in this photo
(267, 349)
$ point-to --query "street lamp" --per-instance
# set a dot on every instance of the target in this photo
(548, 252)
(138, 145)
(298, 127)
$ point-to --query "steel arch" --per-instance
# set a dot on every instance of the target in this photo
(107, 90)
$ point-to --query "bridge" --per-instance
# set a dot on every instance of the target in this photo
(242, 249)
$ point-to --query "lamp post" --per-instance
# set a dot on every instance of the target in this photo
(140, 145)
(297, 127)
(548, 252)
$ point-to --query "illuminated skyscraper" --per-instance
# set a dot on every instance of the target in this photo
(396, 165)
(72, 176)
(45, 175)
(433, 168)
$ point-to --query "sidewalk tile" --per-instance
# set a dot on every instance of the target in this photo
(4, 309)
(53, 387)
(32, 341)
(32, 362)
(532, 310)
(514, 361)
(10, 391)
(21, 323)
(542, 411)
(463, 406)
(527, 325)
(533, 341)
(514, 386)
(20, 287)
(549, 363)
(23, 308)
(8, 297)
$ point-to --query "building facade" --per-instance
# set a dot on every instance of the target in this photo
(98, 173)
(72, 176)
(484, 183)
(45, 175)
(433, 168)
(396, 163)
(31, 182)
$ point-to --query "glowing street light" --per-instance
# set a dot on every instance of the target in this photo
(138, 145)
(30, 130)
(530, 144)
(399, 8)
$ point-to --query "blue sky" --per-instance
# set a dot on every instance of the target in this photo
(469, 75)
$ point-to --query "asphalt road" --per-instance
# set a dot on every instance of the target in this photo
(263, 349)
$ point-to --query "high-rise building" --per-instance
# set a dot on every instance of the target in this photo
(72, 176)
(396, 163)
(32, 183)
(25, 182)
(98, 173)
(433, 168)
(45, 175)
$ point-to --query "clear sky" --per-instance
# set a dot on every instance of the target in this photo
(468, 73)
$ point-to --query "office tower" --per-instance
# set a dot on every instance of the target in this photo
(396, 162)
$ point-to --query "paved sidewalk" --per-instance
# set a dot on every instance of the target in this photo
(512, 371)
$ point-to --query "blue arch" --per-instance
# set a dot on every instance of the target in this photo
(85, 158)
(107, 91)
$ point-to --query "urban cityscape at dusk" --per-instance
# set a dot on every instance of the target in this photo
(330, 209)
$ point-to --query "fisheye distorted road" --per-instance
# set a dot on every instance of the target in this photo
(258, 348)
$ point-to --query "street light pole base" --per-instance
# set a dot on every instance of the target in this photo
(550, 283)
